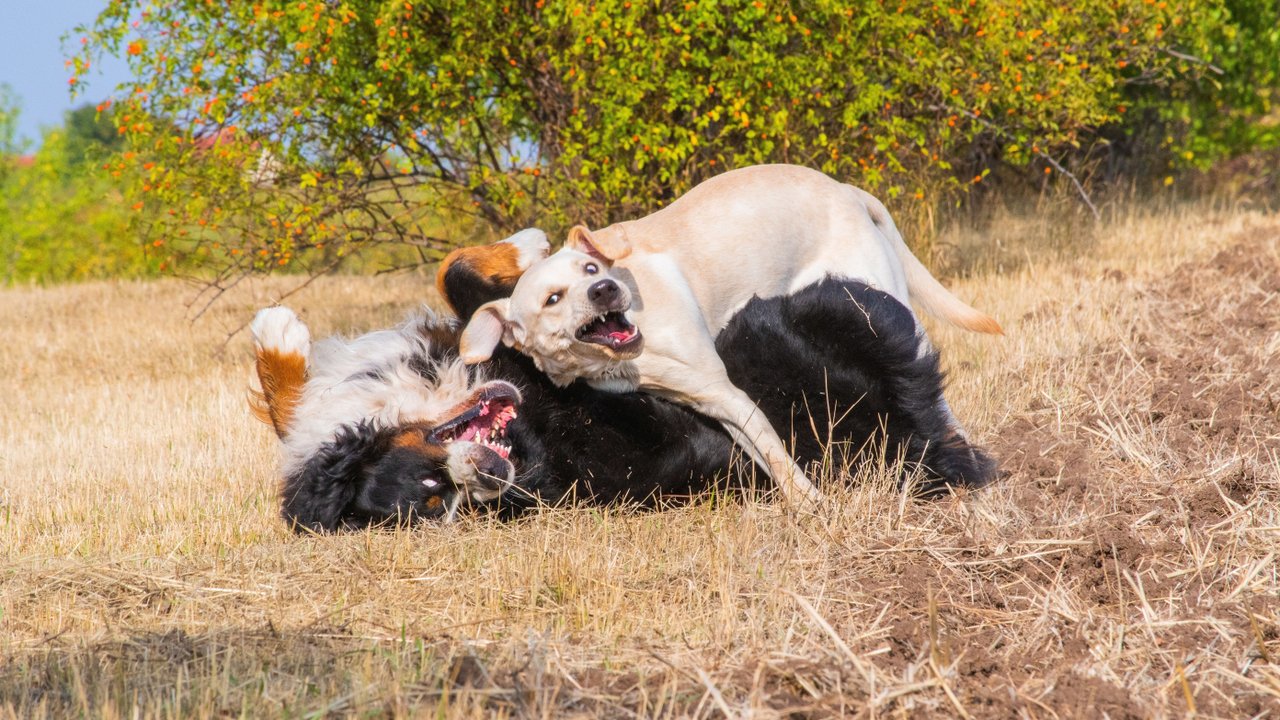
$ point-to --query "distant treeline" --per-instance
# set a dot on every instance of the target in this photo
(63, 210)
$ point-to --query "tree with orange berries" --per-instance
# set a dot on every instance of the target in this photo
(276, 134)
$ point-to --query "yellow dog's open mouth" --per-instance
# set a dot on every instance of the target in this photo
(483, 419)
(612, 330)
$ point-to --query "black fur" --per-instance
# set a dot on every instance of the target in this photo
(838, 356)
(604, 447)
(361, 478)
(839, 364)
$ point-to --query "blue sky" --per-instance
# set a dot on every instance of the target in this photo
(31, 59)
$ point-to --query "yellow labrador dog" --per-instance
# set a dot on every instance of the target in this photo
(637, 305)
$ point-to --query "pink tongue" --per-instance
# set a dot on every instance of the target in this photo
(620, 335)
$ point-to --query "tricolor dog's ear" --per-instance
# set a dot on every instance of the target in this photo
(471, 276)
(489, 326)
(608, 245)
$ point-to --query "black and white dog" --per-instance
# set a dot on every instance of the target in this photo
(392, 427)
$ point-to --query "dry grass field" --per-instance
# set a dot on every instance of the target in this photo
(1125, 567)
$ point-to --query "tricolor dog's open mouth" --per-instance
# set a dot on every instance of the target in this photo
(612, 330)
(483, 418)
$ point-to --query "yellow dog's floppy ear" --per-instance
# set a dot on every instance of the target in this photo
(609, 244)
(487, 327)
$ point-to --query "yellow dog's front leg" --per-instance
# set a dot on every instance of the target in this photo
(705, 386)
(752, 432)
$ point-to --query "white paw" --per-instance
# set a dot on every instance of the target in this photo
(532, 244)
(278, 328)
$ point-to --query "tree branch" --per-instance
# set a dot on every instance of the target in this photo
(1084, 194)
(1193, 59)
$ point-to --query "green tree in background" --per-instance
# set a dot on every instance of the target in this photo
(282, 134)
(9, 111)
(62, 211)
(1232, 107)
(91, 134)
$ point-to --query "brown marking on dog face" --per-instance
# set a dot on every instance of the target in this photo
(282, 376)
(497, 265)
(415, 438)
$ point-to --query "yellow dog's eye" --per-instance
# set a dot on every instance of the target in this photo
(591, 268)
(553, 298)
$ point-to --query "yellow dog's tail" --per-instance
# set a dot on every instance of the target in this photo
(924, 288)
(282, 345)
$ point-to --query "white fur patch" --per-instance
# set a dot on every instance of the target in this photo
(370, 378)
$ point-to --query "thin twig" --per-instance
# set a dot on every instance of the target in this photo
(1193, 59)
(1084, 195)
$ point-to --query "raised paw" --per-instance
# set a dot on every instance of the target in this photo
(279, 329)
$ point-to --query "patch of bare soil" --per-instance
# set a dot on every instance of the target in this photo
(1178, 449)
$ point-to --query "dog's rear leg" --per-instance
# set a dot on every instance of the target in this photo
(282, 345)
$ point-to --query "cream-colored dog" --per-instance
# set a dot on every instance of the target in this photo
(637, 305)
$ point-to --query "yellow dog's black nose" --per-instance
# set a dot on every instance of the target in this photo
(603, 293)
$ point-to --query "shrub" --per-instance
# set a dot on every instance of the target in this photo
(276, 133)
(1222, 101)
(63, 216)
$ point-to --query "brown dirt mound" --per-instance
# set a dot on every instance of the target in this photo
(1182, 453)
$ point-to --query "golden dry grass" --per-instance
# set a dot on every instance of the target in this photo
(1125, 567)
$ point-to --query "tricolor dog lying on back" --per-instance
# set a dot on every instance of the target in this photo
(639, 305)
(391, 427)
(386, 425)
